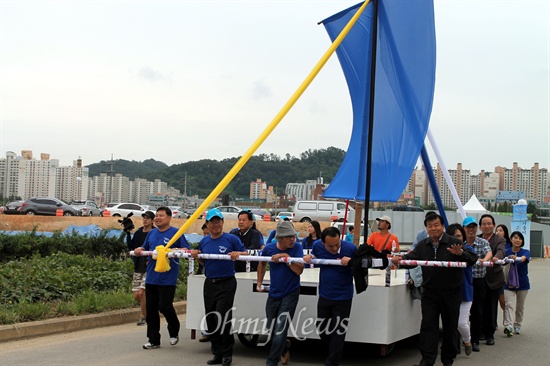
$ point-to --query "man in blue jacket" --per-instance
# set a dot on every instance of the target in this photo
(335, 291)
(160, 287)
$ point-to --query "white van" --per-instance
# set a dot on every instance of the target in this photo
(305, 211)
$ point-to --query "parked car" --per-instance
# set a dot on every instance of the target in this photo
(46, 206)
(261, 213)
(177, 212)
(232, 212)
(87, 208)
(12, 208)
(306, 211)
(408, 208)
(284, 214)
(123, 209)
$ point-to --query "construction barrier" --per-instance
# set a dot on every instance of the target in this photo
(267, 217)
(59, 212)
(106, 213)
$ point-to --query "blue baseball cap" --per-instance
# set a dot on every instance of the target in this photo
(213, 213)
(469, 221)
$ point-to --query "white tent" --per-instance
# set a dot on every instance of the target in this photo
(473, 206)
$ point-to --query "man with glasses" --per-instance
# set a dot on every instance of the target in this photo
(284, 289)
(494, 278)
(220, 286)
(483, 251)
(335, 291)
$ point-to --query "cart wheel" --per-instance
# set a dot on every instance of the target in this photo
(386, 349)
(249, 340)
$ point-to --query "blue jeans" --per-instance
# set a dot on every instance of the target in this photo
(279, 316)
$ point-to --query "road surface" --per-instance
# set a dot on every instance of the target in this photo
(121, 345)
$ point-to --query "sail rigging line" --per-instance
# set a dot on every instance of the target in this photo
(448, 179)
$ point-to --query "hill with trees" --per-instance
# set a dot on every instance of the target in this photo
(204, 175)
(131, 169)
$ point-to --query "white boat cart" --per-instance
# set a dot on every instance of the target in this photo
(380, 315)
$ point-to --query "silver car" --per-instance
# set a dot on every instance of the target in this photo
(87, 208)
(123, 209)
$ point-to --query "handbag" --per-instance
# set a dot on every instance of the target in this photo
(513, 276)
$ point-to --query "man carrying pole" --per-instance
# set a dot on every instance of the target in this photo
(442, 290)
(335, 292)
(284, 290)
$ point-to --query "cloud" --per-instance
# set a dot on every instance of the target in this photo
(260, 90)
(148, 73)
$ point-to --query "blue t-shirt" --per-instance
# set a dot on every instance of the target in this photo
(283, 280)
(523, 272)
(335, 282)
(467, 280)
(225, 244)
(154, 239)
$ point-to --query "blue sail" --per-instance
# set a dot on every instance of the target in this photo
(404, 89)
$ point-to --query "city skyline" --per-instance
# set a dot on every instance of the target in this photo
(26, 176)
(137, 80)
(419, 165)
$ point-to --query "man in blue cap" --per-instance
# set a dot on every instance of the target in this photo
(220, 286)
(483, 251)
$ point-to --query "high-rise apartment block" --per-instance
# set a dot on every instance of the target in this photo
(534, 183)
(25, 177)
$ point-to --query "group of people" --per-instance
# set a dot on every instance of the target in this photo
(466, 299)
(335, 288)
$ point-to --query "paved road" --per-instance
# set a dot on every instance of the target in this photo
(121, 345)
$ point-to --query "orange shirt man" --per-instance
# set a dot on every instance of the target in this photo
(380, 239)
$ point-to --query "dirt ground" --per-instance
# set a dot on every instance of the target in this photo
(53, 223)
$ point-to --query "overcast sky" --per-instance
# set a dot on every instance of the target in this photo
(178, 81)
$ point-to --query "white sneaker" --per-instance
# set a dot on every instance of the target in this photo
(150, 345)
(174, 340)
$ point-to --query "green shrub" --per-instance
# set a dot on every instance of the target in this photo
(61, 276)
(26, 245)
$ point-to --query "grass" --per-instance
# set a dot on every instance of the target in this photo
(89, 302)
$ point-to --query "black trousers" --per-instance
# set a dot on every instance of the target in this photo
(332, 325)
(476, 311)
(218, 301)
(490, 308)
(160, 299)
(434, 304)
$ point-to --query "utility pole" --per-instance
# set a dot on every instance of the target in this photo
(111, 173)
(185, 192)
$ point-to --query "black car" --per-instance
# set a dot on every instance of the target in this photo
(12, 208)
(408, 208)
(46, 206)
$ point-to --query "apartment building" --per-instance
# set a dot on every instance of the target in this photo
(25, 177)
(533, 182)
